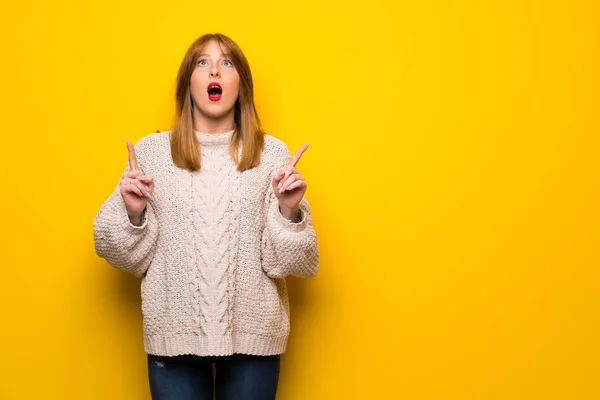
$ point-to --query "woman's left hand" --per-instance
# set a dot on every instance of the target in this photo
(290, 186)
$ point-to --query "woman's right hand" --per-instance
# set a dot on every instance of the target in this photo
(136, 188)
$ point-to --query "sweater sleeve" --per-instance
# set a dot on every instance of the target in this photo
(288, 248)
(123, 245)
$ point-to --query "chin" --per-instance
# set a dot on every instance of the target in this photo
(216, 111)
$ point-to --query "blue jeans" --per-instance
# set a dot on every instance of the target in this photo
(189, 377)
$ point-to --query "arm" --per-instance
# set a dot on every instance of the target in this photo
(124, 245)
(288, 248)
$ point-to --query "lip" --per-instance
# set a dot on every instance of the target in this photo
(214, 98)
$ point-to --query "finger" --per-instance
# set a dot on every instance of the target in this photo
(133, 174)
(297, 184)
(294, 160)
(292, 178)
(130, 187)
(287, 171)
(278, 177)
(147, 179)
(144, 190)
(133, 165)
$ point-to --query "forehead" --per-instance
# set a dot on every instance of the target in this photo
(213, 48)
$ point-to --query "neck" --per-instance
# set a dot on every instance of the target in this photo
(205, 124)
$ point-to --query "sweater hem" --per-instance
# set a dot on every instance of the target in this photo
(201, 345)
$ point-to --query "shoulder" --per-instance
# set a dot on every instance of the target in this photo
(151, 140)
(275, 143)
(151, 148)
(152, 144)
(275, 151)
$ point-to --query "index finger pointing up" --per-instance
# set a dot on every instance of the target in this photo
(133, 165)
(298, 154)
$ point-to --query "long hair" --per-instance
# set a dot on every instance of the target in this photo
(185, 148)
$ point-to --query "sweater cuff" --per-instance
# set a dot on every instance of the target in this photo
(286, 223)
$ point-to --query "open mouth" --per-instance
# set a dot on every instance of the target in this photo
(215, 91)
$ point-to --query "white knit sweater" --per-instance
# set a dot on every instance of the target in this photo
(213, 250)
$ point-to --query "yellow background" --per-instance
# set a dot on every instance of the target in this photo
(453, 175)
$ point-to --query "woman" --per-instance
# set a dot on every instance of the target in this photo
(212, 216)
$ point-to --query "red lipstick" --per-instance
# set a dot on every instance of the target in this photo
(215, 91)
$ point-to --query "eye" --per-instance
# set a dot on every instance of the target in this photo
(202, 63)
(227, 63)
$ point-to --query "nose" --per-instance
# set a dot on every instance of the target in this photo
(214, 73)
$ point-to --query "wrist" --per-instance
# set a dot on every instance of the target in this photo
(291, 214)
(136, 219)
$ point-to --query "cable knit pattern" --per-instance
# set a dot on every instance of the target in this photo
(213, 250)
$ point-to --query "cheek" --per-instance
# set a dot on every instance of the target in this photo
(196, 84)
(234, 84)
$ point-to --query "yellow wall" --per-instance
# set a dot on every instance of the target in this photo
(453, 174)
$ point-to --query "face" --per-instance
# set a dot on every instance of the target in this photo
(214, 84)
